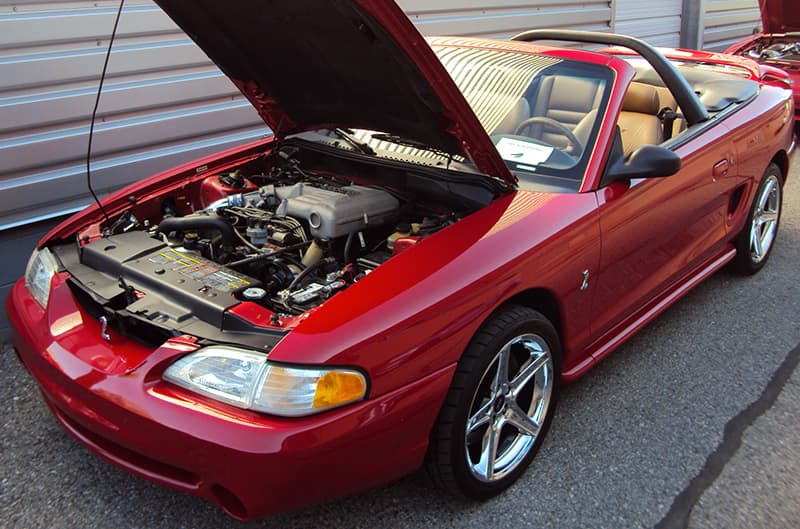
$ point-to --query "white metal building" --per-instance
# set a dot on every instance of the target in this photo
(165, 103)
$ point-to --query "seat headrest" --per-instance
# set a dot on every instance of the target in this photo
(641, 98)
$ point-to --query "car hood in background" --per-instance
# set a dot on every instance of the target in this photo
(309, 64)
(780, 16)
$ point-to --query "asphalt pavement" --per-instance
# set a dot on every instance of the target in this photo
(692, 423)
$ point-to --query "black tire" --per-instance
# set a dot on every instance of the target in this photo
(767, 202)
(532, 344)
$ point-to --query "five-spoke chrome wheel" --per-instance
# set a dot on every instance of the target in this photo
(507, 411)
(754, 243)
(764, 223)
(499, 406)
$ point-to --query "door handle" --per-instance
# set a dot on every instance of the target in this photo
(721, 168)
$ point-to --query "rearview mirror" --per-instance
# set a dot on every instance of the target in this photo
(648, 161)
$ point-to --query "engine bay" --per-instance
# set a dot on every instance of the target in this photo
(269, 234)
(784, 53)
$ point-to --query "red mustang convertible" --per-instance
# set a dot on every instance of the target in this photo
(438, 234)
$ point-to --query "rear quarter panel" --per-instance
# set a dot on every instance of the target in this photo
(761, 132)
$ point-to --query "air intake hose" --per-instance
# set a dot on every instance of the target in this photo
(200, 223)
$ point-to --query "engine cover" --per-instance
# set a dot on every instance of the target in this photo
(334, 211)
(172, 286)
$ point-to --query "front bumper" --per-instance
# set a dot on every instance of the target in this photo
(249, 464)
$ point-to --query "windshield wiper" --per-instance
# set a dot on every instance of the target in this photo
(347, 136)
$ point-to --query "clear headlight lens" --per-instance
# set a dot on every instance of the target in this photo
(41, 268)
(247, 380)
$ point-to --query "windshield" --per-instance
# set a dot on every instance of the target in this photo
(541, 112)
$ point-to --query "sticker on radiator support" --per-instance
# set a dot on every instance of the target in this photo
(207, 273)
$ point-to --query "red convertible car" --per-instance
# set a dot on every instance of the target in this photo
(437, 235)
(778, 44)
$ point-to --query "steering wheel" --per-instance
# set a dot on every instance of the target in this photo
(574, 142)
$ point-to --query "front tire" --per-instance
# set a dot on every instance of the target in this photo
(754, 243)
(499, 407)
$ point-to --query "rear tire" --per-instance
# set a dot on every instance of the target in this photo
(499, 407)
(754, 243)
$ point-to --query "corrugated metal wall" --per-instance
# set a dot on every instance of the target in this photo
(163, 102)
(727, 21)
(656, 21)
(504, 18)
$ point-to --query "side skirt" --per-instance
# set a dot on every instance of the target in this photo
(601, 348)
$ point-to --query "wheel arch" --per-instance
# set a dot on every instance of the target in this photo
(542, 300)
(781, 159)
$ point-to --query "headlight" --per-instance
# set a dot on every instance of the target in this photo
(247, 380)
(41, 268)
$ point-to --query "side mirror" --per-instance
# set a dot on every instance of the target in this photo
(648, 161)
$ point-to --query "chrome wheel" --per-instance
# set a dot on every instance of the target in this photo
(500, 404)
(755, 241)
(764, 223)
(509, 408)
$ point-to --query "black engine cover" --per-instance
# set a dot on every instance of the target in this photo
(169, 285)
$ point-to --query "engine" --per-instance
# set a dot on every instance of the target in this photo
(291, 243)
(329, 210)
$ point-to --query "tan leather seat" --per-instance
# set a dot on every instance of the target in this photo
(566, 100)
(584, 127)
(666, 99)
(638, 121)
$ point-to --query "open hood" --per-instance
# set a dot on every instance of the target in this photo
(308, 64)
(780, 16)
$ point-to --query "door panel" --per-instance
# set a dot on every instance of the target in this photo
(655, 231)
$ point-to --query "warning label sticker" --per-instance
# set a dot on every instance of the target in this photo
(197, 269)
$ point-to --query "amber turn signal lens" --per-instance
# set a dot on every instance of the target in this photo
(339, 387)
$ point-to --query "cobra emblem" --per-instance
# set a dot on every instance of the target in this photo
(104, 329)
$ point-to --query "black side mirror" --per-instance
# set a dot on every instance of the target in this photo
(648, 161)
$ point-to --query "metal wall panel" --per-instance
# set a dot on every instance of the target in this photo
(727, 21)
(504, 18)
(163, 103)
(656, 21)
